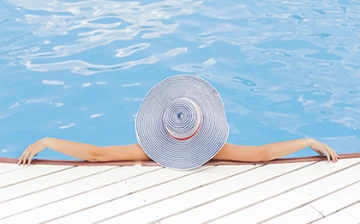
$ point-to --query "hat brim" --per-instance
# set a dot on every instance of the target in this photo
(168, 151)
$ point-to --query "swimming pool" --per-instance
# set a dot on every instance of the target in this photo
(78, 70)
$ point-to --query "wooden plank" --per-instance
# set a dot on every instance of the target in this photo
(205, 194)
(294, 197)
(256, 194)
(324, 206)
(71, 189)
(144, 197)
(102, 193)
(343, 198)
(349, 215)
(301, 215)
(4, 167)
(28, 173)
(49, 181)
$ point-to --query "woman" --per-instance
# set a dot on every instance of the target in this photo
(180, 124)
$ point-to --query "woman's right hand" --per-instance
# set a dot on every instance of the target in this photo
(323, 149)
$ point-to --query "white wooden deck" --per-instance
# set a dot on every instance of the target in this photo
(315, 192)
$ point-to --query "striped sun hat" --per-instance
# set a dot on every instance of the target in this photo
(181, 123)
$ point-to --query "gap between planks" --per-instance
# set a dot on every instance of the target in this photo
(324, 206)
(292, 197)
(90, 201)
(74, 189)
(198, 211)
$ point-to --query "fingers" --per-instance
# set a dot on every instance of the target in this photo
(334, 155)
(327, 155)
(24, 155)
(27, 155)
(31, 156)
(322, 149)
(331, 154)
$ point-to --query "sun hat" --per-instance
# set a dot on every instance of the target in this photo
(181, 123)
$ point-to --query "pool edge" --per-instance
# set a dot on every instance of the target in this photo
(151, 163)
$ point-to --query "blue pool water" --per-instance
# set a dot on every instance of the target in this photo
(78, 70)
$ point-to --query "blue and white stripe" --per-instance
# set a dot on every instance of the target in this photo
(181, 123)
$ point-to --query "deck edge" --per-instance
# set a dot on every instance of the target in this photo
(152, 163)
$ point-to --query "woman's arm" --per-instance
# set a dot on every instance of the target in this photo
(84, 151)
(133, 152)
(273, 151)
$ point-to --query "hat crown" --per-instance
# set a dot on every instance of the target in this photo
(182, 118)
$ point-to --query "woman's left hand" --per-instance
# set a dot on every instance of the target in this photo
(31, 151)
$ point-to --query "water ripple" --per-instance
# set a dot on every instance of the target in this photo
(285, 69)
(83, 68)
(89, 25)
